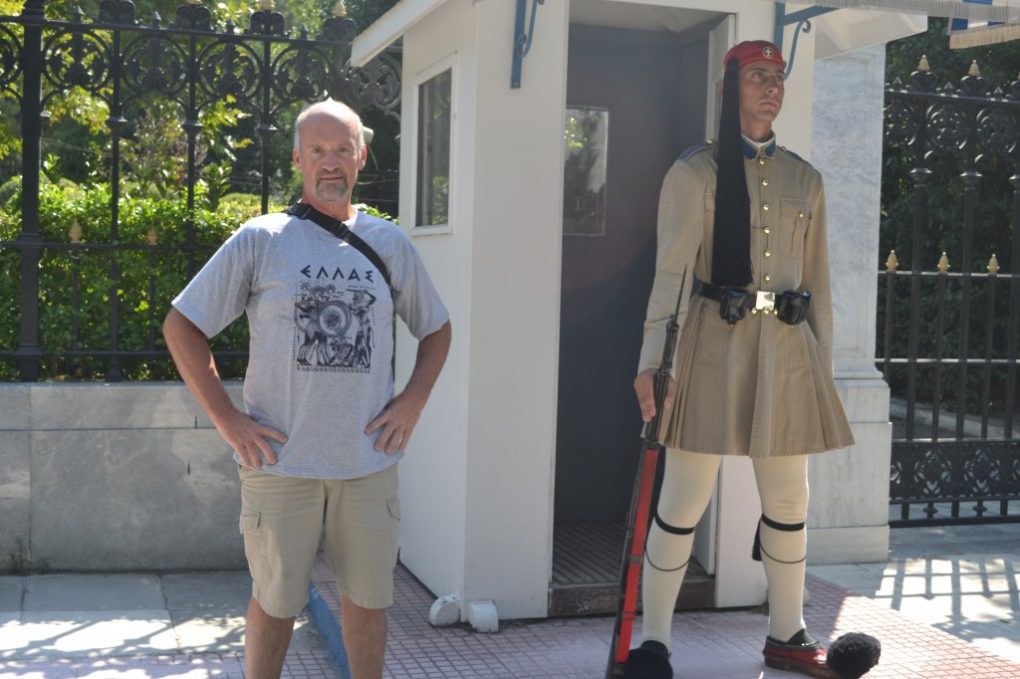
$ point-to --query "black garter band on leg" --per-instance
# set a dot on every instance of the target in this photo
(757, 551)
(672, 530)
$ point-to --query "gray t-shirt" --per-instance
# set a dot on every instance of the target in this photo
(321, 323)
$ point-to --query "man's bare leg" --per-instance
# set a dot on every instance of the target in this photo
(265, 643)
(364, 639)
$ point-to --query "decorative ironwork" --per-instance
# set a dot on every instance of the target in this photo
(266, 22)
(121, 12)
(949, 128)
(377, 84)
(193, 17)
(76, 59)
(229, 69)
(338, 29)
(155, 63)
(261, 69)
(10, 66)
(802, 19)
(922, 80)
(955, 481)
(972, 84)
(300, 75)
(954, 467)
(901, 122)
(997, 133)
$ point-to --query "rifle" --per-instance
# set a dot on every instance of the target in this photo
(640, 502)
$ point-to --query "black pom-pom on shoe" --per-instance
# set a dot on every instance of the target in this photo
(854, 654)
(651, 661)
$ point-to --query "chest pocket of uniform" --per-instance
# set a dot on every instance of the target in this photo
(793, 213)
(709, 202)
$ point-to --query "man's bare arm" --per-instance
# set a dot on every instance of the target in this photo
(190, 350)
(400, 416)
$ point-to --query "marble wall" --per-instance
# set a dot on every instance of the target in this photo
(114, 477)
(848, 520)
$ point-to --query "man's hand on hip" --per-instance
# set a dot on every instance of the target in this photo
(248, 438)
(397, 421)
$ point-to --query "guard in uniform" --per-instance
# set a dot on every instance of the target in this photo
(742, 221)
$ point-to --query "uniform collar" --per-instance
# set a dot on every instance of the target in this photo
(751, 149)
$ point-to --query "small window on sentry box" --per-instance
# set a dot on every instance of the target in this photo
(434, 123)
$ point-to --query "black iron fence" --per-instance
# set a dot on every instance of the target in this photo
(949, 346)
(262, 70)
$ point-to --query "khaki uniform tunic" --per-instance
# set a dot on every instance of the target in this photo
(761, 388)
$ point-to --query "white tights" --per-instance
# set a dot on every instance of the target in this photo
(687, 486)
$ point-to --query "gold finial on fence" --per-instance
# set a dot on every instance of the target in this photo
(74, 233)
(340, 9)
(974, 71)
(922, 65)
(152, 238)
(943, 265)
(267, 5)
(993, 265)
(891, 264)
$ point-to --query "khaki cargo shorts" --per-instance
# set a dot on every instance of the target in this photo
(283, 518)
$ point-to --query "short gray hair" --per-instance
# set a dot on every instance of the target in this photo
(339, 109)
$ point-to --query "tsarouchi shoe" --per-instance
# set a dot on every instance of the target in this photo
(800, 654)
(651, 661)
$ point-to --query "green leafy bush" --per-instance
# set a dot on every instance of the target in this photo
(75, 285)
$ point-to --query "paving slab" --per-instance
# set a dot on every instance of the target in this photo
(297, 665)
(964, 580)
(12, 587)
(93, 592)
(212, 590)
(88, 634)
(941, 542)
(200, 631)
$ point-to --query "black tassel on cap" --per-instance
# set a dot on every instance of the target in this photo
(731, 248)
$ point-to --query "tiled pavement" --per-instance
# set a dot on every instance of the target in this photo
(299, 665)
(964, 580)
(707, 645)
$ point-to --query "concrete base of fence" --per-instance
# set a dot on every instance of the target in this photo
(112, 477)
(864, 544)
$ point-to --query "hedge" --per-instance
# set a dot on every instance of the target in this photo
(75, 285)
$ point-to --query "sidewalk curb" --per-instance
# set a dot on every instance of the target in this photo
(329, 627)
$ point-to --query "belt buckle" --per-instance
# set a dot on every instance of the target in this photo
(765, 301)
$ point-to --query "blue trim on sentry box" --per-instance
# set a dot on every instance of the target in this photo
(329, 628)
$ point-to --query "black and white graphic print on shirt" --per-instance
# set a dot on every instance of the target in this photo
(333, 328)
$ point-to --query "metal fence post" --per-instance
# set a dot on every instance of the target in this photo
(29, 241)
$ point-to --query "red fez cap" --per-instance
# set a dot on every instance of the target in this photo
(750, 51)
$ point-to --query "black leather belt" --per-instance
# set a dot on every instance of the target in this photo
(761, 300)
(734, 303)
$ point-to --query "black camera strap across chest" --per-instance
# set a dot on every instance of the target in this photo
(340, 230)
